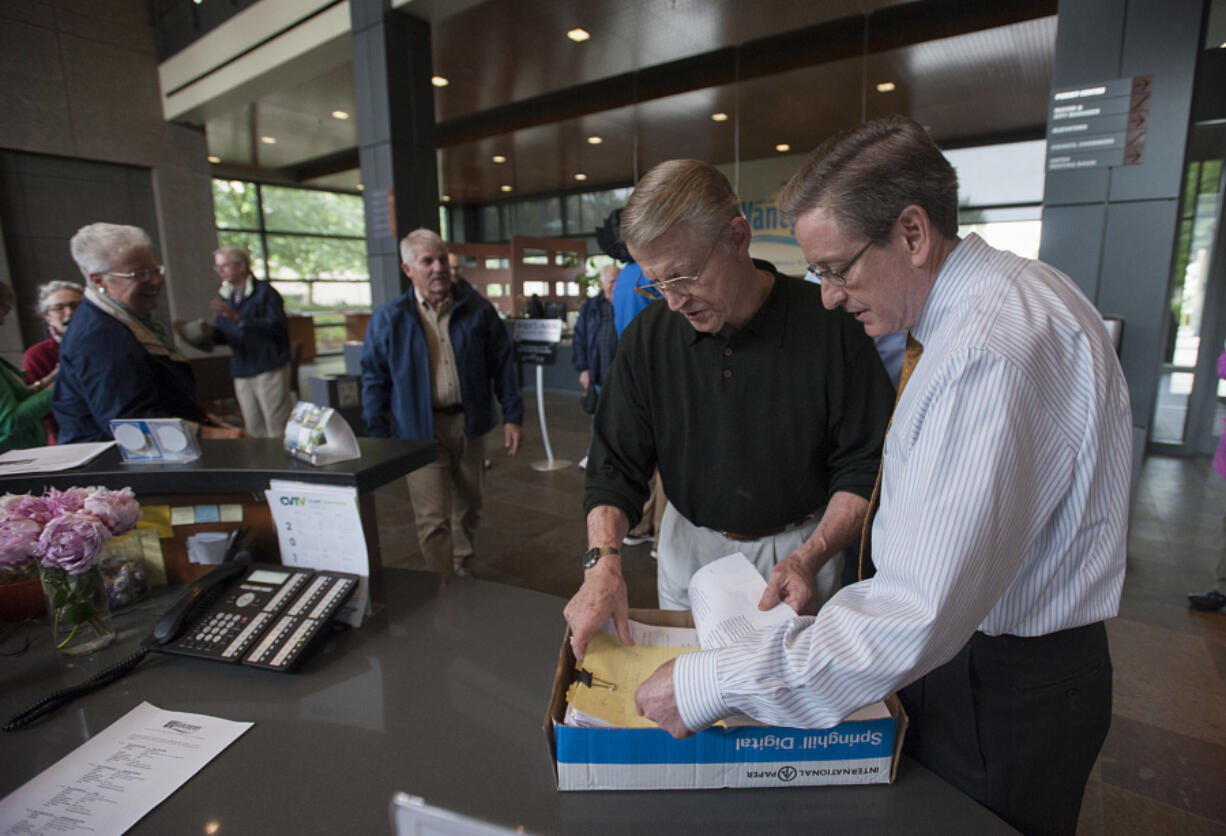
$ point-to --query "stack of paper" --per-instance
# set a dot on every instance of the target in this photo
(724, 598)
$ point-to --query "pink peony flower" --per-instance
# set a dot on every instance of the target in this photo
(18, 540)
(23, 505)
(69, 501)
(118, 510)
(72, 541)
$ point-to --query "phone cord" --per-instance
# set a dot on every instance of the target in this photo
(51, 702)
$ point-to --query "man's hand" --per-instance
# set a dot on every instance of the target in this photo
(512, 433)
(657, 701)
(223, 309)
(585, 379)
(791, 582)
(602, 596)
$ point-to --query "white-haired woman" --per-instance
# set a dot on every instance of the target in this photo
(117, 361)
(57, 302)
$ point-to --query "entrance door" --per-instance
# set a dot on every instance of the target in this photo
(1191, 399)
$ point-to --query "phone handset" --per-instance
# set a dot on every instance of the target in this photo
(200, 595)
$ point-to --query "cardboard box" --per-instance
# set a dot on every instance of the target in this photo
(863, 752)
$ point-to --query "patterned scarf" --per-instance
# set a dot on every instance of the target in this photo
(150, 333)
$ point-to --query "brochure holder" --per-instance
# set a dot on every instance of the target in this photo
(319, 435)
(154, 440)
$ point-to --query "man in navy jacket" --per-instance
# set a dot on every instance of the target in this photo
(250, 318)
(432, 361)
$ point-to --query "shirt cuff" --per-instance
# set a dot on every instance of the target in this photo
(696, 689)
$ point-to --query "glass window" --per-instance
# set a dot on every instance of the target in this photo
(594, 207)
(236, 204)
(491, 224)
(537, 217)
(306, 210)
(309, 242)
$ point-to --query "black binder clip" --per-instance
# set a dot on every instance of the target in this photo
(592, 681)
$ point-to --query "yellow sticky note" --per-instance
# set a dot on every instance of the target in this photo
(231, 513)
(183, 515)
(625, 668)
(156, 517)
(151, 551)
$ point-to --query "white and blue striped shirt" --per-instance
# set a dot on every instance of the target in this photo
(1003, 508)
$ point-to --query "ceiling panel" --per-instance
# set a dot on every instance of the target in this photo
(988, 83)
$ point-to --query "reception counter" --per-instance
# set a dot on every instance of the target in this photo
(236, 472)
(441, 693)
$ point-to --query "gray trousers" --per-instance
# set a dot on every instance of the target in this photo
(685, 548)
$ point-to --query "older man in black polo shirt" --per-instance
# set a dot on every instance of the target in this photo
(764, 411)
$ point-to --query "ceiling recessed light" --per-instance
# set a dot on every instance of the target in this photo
(719, 117)
(578, 35)
(446, 198)
(594, 140)
(340, 114)
(885, 87)
(580, 176)
(498, 158)
(268, 140)
(439, 81)
(213, 158)
(783, 146)
(505, 188)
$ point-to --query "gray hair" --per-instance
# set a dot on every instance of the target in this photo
(867, 175)
(234, 254)
(426, 239)
(46, 291)
(676, 191)
(98, 246)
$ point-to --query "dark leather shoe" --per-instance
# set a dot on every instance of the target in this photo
(1211, 601)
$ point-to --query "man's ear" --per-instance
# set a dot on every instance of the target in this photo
(915, 228)
(739, 236)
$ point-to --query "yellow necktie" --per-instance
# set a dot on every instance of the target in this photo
(910, 360)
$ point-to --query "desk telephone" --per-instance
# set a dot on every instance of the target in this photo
(256, 614)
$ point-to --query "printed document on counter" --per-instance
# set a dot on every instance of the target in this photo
(117, 776)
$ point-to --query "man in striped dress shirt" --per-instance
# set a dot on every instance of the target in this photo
(1000, 539)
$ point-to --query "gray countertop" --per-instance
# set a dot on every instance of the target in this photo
(441, 693)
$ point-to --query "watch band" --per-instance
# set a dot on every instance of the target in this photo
(592, 556)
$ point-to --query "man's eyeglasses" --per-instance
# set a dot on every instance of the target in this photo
(145, 275)
(677, 284)
(60, 307)
(837, 277)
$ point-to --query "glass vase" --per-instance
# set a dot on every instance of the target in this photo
(79, 611)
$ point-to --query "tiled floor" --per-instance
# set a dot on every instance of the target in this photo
(1163, 768)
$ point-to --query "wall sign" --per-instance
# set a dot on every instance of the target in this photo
(1099, 125)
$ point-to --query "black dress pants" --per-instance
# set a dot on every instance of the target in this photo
(1016, 723)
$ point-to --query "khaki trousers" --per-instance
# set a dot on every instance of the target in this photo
(446, 496)
(685, 548)
(653, 511)
(266, 401)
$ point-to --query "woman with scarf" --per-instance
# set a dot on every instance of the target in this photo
(117, 361)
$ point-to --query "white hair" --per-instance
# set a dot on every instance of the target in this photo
(425, 238)
(237, 255)
(46, 291)
(98, 246)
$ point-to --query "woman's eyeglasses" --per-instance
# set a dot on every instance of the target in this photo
(142, 276)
